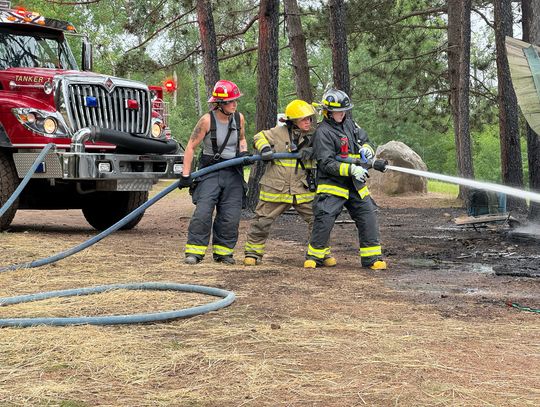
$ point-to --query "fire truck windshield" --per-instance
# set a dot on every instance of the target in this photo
(27, 49)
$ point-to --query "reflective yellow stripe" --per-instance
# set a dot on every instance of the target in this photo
(194, 249)
(223, 95)
(270, 197)
(354, 156)
(370, 251)
(254, 248)
(222, 250)
(363, 192)
(261, 141)
(335, 104)
(369, 148)
(344, 169)
(333, 190)
(302, 198)
(318, 253)
(290, 163)
(286, 163)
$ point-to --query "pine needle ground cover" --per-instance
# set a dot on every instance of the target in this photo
(429, 331)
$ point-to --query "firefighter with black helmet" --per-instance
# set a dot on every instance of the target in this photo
(342, 184)
(286, 183)
(221, 132)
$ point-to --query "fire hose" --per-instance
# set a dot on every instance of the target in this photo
(228, 297)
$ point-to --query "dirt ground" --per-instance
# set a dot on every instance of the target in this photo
(435, 329)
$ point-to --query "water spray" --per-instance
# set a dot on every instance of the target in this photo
(532, 196)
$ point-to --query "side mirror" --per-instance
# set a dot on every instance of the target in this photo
(87, 58)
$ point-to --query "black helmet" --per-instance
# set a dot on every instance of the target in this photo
(336, 101)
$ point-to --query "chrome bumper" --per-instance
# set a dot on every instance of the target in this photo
(141, 170)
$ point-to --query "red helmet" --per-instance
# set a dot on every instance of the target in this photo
(224, 91)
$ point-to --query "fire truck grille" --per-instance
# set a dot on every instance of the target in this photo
(124, 109)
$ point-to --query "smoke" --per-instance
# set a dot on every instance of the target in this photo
(533, 230)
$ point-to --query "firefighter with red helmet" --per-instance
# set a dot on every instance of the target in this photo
(286, 183)
(342, 184)
(222, 135)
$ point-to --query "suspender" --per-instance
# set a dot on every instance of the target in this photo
(213, 134)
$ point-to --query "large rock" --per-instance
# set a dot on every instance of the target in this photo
(394, 182)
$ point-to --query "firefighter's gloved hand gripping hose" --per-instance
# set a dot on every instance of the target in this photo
(228, 297)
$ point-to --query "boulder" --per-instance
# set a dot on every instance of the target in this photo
(394, 182)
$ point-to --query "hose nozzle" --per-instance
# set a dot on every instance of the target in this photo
(380, 165)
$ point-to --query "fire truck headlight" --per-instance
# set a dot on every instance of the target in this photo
(157, 128)
(45, 123)
(31, 118)
(50, 125)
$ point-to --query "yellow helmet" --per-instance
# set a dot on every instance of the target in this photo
(298, 109)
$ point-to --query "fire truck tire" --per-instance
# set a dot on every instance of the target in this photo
(8, 184)
(107, 208)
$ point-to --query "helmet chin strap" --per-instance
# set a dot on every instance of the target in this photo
(220, 108)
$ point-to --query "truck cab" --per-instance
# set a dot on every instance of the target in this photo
(110, 135)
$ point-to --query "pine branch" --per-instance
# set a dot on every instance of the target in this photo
(442, 9)
(407, 97)
(73, 3)
(483, 16)
(225, 37)
(235, 54)
(159, 30)
(429, 27)
(442, 48)
(489, 93)
(182, 59)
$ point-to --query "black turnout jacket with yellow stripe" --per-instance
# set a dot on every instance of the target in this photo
(334, 177)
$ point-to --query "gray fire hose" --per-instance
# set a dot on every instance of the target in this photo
(228, 297)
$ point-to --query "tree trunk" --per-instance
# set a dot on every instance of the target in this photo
(459, 45)
(531, 34)
(267, 81)
(208, 44)
(512, 171)
(297, 41)
(338, 44)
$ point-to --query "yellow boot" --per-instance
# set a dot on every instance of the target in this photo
(250, 261)
(378, 265)
(329, 262)
(310, 264)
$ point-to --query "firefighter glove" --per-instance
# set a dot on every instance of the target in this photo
(267, 154)
(366, 152)
(360, 173)
(246, 156)
(185, 181)
(306, 153)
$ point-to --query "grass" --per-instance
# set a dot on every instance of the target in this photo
(443, 188)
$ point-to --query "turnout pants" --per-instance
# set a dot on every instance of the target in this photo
(223, 191)
(265, 215)
(326, 209)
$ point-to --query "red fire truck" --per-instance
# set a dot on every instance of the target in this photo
(110, 136)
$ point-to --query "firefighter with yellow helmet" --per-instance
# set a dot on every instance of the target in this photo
(286, 183)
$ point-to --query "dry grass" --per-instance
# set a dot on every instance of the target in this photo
(293, 338)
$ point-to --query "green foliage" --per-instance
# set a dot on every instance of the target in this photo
(486, 154)
(443, 188)
(398, 66)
